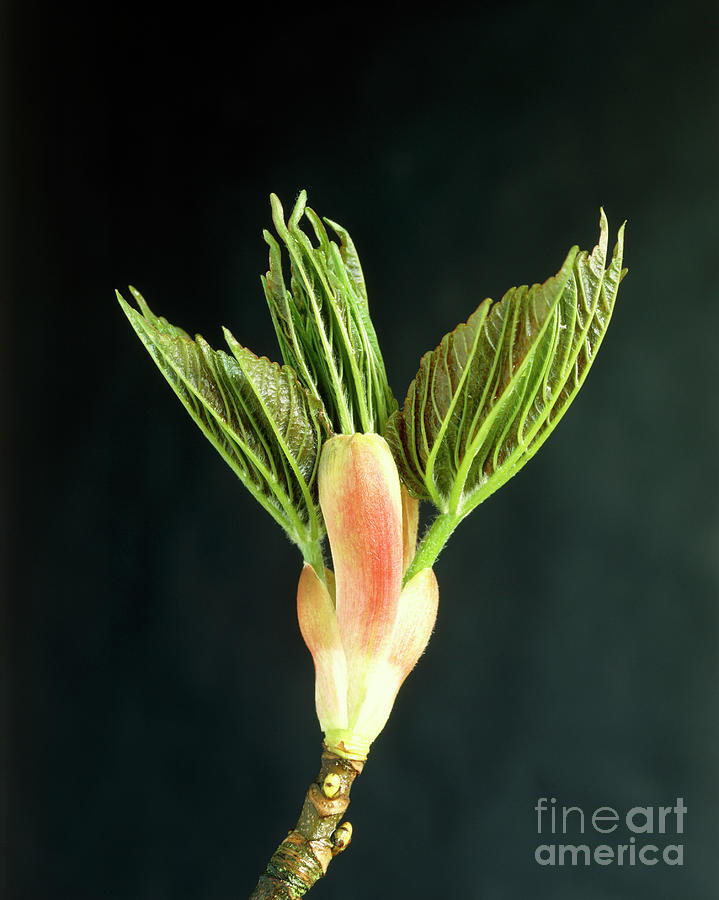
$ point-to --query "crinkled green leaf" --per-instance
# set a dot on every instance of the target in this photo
(489, 395)
(323, 324)
(264, 424)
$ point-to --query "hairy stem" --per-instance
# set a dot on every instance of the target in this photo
(302, 858)
(312, 554)
(432, 543)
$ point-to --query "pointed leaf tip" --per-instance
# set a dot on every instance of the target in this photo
(603, 232)
(278, 215)
(298, 210)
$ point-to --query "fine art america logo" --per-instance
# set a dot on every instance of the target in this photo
(640, 836)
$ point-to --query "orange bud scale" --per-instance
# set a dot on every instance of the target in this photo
(366, 642)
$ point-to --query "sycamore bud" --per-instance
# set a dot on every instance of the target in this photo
(365, 632)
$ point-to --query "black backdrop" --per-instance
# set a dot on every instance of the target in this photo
(159, 727)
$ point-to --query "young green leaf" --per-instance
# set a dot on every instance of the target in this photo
(323, 324)
(489, 395)
(263, 423)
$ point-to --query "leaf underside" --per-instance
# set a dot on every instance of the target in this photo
(485, 400)
(262, 422)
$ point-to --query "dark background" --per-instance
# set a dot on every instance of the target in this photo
(159, 727)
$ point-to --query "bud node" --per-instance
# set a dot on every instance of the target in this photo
(331, 784)
(341, 838)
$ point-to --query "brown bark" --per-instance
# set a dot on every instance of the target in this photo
(302, 858)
